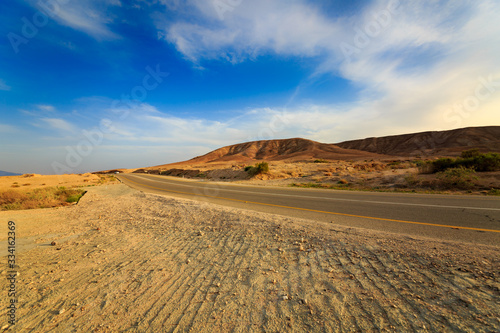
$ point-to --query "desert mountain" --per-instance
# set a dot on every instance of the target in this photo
(5, 173)
(436, 143)
(424, 144)
(277, 150)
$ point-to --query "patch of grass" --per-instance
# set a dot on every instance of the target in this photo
(412, 180)
(494, 191)
(74, 197)
(321, 161)
(39, 198)
(103, 179)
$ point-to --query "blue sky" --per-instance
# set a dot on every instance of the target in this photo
(90, 85)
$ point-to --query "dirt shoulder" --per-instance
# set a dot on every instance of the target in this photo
(128, 261)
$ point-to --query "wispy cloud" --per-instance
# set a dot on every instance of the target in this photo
(421, 61)
(89, 16)
(4, 86)
(252, 29)
(59, 124)
(45, 107)
(40, 110)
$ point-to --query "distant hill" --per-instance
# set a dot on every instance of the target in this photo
(437, 143)
(296, 149)
(5, 173)
(424, 144)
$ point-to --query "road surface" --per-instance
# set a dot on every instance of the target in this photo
(463, 218)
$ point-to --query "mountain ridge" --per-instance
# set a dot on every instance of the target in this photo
(431, 143)
(6, 173)
(423, 144)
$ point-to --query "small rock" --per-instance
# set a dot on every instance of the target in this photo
(61, 311)
(188, 261)
(285, 297)
(53, 243)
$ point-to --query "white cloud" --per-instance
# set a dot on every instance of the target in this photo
(89, 16)
(254, 28)
(59, 124)
(45, 107)
(420, 60)
(4, 86)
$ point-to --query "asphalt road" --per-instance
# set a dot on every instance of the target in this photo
(474, 219)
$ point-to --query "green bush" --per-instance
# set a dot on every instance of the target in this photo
(258, 169)
(484, 162)
(262, 167)
(470, 153)
(459, 177)
(321, 161)
(470, 159)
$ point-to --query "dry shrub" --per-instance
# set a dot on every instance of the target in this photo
(39, 198)
(10, 196)
(327, 174)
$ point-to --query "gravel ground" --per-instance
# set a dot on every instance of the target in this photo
(124, 261)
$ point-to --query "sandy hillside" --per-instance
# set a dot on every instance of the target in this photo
(127, 261)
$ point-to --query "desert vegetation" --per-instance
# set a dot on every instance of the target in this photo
(259, 168)
(469, 159)
(39, 198)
